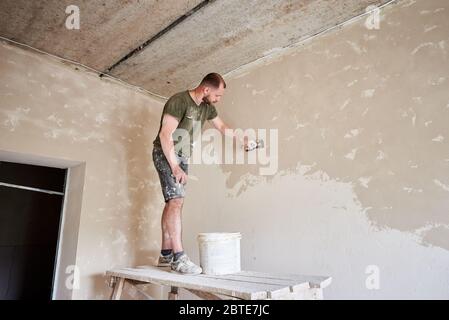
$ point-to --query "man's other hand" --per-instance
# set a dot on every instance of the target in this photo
(179, 174)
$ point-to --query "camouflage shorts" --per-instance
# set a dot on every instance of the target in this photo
(170, 188)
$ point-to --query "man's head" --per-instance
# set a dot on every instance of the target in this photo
(213, 87)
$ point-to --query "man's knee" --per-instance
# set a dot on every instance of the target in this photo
(175, 203)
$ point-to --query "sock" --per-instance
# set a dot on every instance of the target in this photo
(166, 252)
(177, 255)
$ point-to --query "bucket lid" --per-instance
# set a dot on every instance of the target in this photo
(219, 236)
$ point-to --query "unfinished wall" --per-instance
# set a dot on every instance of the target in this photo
(51, 110)
(363, 178)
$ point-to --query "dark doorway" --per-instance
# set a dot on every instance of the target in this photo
(31, 201)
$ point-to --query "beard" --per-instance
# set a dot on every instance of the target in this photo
(206, 99)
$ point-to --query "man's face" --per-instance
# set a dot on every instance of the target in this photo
(213, 95)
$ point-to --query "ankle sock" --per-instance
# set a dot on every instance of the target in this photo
(166, 252)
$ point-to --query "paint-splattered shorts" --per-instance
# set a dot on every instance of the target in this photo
(170, 188)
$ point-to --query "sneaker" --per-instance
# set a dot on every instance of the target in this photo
(165, 261)
(184, 266)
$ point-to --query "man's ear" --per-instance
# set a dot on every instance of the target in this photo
(206, 90)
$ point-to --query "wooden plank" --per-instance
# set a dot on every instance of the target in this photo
(244, 290)
(294, 285)
(173, 294)
(314, 281)
(135, 291)
(153, 275)
(204, 295)
(117, 289)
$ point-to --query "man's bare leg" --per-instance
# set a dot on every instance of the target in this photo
(172, 237)
(172, 225)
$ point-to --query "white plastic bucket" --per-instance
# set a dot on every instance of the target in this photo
(219, 252)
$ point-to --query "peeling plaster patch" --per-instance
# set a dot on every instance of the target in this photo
(417, 100)
(429, 226)
(120, 239)
(423, 45)
(345, 104)
(350, 84)
(13, 118)
(369, 93)
(351, 155)
(381, 155)
(442, 185)
(442, 45)
(428, 29)
(323, 133)
(412, 190)
(427, 123)
(369, 37)
(408, 4)
(364, 181)
(423, 12)
(53, 118)
(308, 76)
(437, 82)
(405, 114)
(62, 90)
(90, 136)
(100, 119)
(352, 133)
(301, 125)
(356, 47)
(54, 133)
(365, 112)
(256, 92)
(440, 138)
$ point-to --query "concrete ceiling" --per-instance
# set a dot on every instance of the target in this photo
(166, 46)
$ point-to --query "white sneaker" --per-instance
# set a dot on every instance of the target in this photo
(165, 261)
(184, 266)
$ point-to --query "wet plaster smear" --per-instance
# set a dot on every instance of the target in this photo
(362, 187)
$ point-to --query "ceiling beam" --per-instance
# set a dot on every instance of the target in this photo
(157, 36)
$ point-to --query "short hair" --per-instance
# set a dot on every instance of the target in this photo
(213, 80)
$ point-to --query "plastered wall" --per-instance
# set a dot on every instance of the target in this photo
(52, 110)
(362, 186)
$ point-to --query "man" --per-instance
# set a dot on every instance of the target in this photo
(181, 113)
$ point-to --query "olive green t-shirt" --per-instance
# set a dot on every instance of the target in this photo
(191, 119)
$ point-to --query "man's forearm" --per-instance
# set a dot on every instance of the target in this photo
(169, 150)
